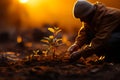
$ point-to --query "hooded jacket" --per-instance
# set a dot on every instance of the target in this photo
(105, 21)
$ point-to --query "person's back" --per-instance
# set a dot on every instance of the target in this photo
(103, 23)
(109, 17)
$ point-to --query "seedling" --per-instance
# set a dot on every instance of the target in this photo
(52, 41)
(34, 56)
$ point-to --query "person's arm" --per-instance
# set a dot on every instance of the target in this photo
(80, 39)
(82, 34)
(100, 38)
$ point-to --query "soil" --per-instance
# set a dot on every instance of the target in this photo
(59, 71)
(14, 67)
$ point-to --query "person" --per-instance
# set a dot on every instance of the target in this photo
(100, 33)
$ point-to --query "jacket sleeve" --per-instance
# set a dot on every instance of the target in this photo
(101, 37)
(81, 37)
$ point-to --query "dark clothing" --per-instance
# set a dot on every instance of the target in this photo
(103, 29)
(112, 48)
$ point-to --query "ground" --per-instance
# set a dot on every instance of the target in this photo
(14, 67)
(59, 71)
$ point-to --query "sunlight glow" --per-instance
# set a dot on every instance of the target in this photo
(39, 12)
(23, 1)
(82, 0)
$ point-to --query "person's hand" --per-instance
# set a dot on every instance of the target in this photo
(85, 52)
(73, 48)
(75, 56)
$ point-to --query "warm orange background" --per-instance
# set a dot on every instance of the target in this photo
(36, 12)
(58, 11)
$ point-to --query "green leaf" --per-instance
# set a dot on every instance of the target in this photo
(45, 41)
(51, 30)
(58, 40)
(56, 28)
(58, 31)
(51, 37)
(47, 38)
(37, 51)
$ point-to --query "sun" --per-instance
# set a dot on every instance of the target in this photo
(23, 1)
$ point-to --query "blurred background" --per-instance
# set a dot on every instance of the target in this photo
(31, 18)
(35, 13)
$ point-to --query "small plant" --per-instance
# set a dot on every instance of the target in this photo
(34, 56)
(36, 52)
(52, 41)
